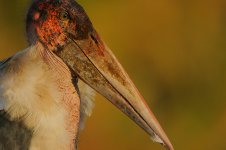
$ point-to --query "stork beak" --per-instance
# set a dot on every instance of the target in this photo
(95, 64)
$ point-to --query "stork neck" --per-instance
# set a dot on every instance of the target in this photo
(67, 97)
(52, 60)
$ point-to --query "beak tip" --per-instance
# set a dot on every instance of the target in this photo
(168, 146)
(165, 143)
(100, 72)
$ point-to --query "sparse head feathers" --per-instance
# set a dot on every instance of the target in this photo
(39, 85)
(53, 22)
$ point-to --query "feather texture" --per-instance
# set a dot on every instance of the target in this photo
(38, 92)
(87, 95)
(13, 134)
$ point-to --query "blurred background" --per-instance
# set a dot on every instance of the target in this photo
(175, 51)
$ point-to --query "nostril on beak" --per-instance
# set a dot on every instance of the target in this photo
(94, 39)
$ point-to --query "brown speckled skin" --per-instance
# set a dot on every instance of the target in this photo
(63, 29)
(58, 20)
(51, 22)
(67, 85)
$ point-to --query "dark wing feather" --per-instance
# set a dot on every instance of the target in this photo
(2, 64)
(13, 134)
(5, 61)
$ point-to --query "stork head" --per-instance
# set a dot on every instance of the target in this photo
(63, 27)
(52, 22)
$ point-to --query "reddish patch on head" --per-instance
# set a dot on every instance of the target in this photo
(36, 16)
(51, 30)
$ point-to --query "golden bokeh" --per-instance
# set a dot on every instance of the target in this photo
(175, 51)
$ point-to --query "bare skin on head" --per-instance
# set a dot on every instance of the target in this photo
(39, 85)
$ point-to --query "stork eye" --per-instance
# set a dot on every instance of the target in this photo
(64, 15)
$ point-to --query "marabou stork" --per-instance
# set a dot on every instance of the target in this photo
(45, 89)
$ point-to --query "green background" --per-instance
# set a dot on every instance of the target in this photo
(173, 50)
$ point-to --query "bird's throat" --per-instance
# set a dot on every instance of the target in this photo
(66, 83)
